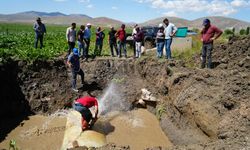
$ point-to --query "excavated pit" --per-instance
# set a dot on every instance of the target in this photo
(197, 108)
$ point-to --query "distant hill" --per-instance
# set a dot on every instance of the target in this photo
(179, 22)
(60, 18)
(220, 22)
(41, 14)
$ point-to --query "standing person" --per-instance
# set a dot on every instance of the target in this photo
(138, 41)
(71, 37)
(80, 41)
(133, 35)
(121, 36)
(99, 41)
(40, 30)
(82, 105)
(112, 41)
(169, 32)
(86, 38)
(74, 63)
(208, 34)
(160, 39)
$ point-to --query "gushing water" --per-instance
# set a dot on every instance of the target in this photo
(112, 100)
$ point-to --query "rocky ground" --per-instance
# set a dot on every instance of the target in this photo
(198, 108)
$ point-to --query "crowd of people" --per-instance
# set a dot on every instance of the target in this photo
(117, 43)
(117, 39)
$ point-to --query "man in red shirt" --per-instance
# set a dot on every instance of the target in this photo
(82, 105)
(208, 34)
(121, 36)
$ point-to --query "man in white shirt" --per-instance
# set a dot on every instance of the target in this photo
(169, 31)
(134, 32)
(71, 37)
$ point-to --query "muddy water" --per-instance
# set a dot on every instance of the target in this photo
(38, 132)
(138, 128)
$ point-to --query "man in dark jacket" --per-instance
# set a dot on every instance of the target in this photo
(80, 41)
(40, 30)
(138, 41)
(99, 41)
(112, 41)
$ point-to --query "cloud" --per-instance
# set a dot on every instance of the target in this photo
(212, 7)
(90, 6)
(240, 3)
(218, 7)
(114, 8)
(170, 14)
(87, 3)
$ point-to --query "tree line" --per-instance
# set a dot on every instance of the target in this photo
(241, 32)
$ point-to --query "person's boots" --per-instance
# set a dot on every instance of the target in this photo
(209, 65)
(202, 65)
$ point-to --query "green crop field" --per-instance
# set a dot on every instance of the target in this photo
(17, 41)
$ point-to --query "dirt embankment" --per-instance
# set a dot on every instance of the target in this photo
(206, 109)
(199, 108)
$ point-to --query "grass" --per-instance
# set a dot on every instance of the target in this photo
(12, 145)
(118, 80)
(17, 41)
(160, 110)
(188, 55)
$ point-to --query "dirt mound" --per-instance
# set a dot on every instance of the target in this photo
(233, 55)
(211, 106)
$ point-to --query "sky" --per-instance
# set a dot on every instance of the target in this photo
(134, 10)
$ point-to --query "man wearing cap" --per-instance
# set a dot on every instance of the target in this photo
(71, 37)
(82, 105)
(74, 63)
(209, 33)
(40, 30)
(160, 39)
(86, 37)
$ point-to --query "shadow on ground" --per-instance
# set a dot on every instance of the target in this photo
(14, 107)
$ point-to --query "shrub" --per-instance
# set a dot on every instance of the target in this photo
(242, 32)
(228, 32)
(247, 30)
(160, 110)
